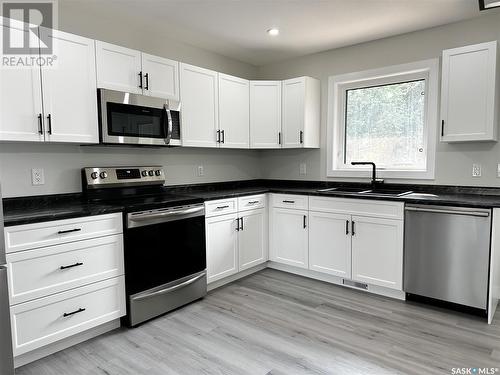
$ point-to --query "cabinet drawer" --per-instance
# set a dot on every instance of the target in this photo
(361, 207)
(48, 270)
(221, 207)
(298, 202)
(32, 236)
(251, 202)
(43, 321)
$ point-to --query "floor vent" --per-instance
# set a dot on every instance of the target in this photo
(355, 284)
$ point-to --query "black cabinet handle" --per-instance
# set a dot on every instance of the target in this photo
(69, 231)
(279, 138)
(305, 221)
(352, 228)
(147, 81)
(241, 228)
(221, 207)
(288, 201)
(218, 136)
(71, 266)
(140, 80)
(301, 137)
(442, 128)
(74, 312)
(347, 227)
(237, 224)
(40, 124)
(223, 136)
(49, 119)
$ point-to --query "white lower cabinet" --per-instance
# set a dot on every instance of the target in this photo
(252, 239)
(222, 246)
(330, 243)
(289, 237)
(377, 251)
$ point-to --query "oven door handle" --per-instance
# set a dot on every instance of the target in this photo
(169, 289)
(167, 124)
(167, 214)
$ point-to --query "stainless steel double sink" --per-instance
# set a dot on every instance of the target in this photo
(364, 191)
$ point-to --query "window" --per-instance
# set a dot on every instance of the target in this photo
(387, 116)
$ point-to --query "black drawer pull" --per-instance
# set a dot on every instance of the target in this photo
(289, 202)
(69, 231)
(221, 207)
(73, 312)
(71, 266)
(253, 202)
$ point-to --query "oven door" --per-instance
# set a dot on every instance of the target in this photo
(165, 260)
(135, 119)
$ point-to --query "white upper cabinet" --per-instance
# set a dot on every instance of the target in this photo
(330, 243)
(265, 114)
(200, 107)
(301, 113)
(118, 68)
(21, 114)
(234, 112)
(69, 91)
(469, 94)
(160, 77)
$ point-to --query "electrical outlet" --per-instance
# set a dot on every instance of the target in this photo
(498, 170)
(302, 169)
(476, 170)
(37, 176)
(201, 171)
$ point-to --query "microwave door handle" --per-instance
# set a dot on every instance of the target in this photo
(168, 125)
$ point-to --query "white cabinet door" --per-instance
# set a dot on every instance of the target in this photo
(222, 246)
(200, 107)
(118, 68)
(21, 117)
(377, 251)
(161, 77)
(70, 92)
(265, 114)
(330, 243)
(234, 112)
(252, 239)
(289, 237)
(468, 102)
(293, 112)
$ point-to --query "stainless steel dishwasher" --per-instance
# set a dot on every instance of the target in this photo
(446, 253)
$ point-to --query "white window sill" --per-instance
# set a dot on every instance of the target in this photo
(386, 174)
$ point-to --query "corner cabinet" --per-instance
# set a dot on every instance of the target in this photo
(34, 101)
(200, 106)
(301, 113)
(234, 112)
(128, 70)
(265, 114)
(470, 93)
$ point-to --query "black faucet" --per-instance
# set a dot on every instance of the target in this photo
(375, 180)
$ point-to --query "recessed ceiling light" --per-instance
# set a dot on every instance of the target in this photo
(488, 4)
(274, 31)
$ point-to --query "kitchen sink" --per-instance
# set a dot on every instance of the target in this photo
(344, 190)
(386, 192)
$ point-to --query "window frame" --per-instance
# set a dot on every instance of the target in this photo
(337, 89)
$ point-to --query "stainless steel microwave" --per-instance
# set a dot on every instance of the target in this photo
(132, 119)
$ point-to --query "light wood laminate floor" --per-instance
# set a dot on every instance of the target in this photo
(277, 323)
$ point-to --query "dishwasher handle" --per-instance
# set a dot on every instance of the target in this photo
(452, 211)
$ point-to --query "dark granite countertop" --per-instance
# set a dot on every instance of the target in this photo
(25, 210)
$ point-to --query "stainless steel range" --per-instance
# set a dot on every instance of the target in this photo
(165, 254)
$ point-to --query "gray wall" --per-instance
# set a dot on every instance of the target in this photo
(453, 162)
(62, 163)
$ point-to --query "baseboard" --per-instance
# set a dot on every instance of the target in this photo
(47, 350)
(239, 275)
(387, 292)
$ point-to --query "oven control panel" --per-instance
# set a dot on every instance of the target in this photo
(101, 177)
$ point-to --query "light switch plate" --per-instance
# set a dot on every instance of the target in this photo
(498, 170)
(37, 176)
(476, 170)
(201, 171)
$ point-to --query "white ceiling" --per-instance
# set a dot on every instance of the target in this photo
(237, 28)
